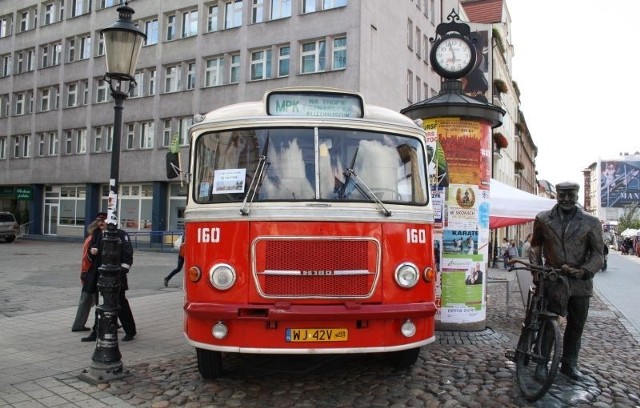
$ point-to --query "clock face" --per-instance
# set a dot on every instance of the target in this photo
(454, 55)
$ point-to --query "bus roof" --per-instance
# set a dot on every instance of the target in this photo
(260, 109)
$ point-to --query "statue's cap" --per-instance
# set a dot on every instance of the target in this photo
(567, 185)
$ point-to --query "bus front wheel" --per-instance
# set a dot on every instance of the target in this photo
(209, 363)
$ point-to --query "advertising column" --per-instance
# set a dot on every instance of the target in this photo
(460, 175)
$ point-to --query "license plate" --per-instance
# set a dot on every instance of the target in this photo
(316, 335)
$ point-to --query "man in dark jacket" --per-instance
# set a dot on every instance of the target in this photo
(568, 238)
(126, 260)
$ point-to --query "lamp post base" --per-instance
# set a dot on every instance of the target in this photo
(100, 373)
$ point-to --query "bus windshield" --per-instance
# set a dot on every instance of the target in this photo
(309, 164)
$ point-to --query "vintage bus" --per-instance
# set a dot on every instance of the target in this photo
(308, 230)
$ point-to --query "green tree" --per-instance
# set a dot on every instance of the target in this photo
(630, 218)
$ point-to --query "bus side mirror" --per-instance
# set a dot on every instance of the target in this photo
(173, 165)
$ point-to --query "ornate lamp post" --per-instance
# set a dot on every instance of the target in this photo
(123, 41)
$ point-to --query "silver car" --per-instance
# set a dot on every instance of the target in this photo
(9, 227)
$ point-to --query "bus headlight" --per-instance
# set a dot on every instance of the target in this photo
(407, 275)
(222, 276)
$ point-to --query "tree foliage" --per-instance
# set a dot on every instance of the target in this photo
(630, 218)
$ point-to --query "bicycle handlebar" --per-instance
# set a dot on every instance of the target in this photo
(547, 271)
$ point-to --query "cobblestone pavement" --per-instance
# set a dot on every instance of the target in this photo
(43, 360)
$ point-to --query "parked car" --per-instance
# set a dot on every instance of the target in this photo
(9, 227)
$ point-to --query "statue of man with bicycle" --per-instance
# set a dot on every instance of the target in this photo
(569, 239)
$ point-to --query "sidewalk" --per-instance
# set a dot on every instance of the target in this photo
(41, 360)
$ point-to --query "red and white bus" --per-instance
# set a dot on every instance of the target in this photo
(308, 230)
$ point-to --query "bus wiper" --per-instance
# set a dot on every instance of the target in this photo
(362, 187)
(256, 180)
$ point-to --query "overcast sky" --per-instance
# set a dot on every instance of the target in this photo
(575, 65)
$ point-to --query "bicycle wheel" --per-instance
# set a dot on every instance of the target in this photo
(534, 381)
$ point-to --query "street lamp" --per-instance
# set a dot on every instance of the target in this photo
(123, 41)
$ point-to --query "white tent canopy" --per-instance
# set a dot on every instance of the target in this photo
(510, 206)
(629, 232)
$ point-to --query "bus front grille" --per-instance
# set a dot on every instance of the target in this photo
(316, 268)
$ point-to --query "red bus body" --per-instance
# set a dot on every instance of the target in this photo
(315, 274)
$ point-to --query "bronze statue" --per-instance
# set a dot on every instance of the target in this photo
(566, 237)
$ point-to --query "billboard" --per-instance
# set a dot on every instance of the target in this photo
(619, 183)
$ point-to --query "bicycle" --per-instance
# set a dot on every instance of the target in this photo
(537, 355)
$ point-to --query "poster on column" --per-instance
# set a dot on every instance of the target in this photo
(465, 159)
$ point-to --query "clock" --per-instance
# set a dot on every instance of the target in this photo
(453, 56)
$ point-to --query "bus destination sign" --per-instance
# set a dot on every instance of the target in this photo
(314, 104)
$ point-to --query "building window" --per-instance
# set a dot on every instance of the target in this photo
(147, 135)
(261, 64)
(313, 57)
(19, 62)
(85, 92)
(85, 47)
(31, 60)
(410, 86)
(20, 104)
(130, 136)
(44, 99)
(283, 60)
(410, 34)
(137, 88)
(26, 146)
(72, 203)
(44, 51)
(257, 11)
(166, 133)
(171, 27)
(5, 26)
(71, 49)
(102, 91)
(68, 142)
(213, 72)
(152, 82)
(3, 148)
(16, 147)
(24, 21)
(56, 96)
(57, 54)
(329, 4)
(109, 141)
(151, 30)
(53, 144)
(49, 14)
(5, 60)
(233, 14)
(183, 131)
(212, 19)
(81, 141)
(72, 95)
(189, 23)
(340, 53)
(280, 9)
(191, 75)
(100, 44)
(80, 7)
(172, 79)
(234, 77)
(41, 144)
(97, 139)
(309, 6)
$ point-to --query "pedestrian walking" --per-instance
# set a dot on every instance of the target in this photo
(180, 245)
(89, 290)
(572, 240)
(126, 260)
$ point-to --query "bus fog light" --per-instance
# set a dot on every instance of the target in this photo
(219, 331)
(222, 276)
(407, 275)
(408, 329)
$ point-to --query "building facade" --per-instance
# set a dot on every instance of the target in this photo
(56, 112)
